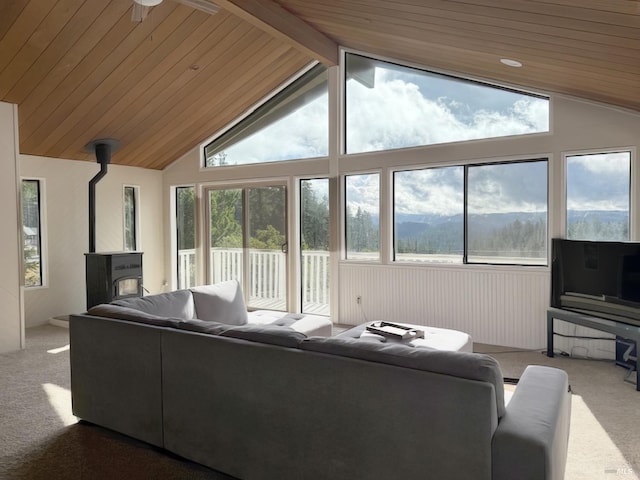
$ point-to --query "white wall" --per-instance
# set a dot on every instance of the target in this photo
(497, 305)
(66, 234)
(11, 331)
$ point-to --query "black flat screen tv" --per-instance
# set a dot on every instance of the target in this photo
(597, 277)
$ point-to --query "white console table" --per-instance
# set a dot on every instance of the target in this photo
(622, 329)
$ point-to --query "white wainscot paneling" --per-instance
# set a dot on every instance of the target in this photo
(495, 305)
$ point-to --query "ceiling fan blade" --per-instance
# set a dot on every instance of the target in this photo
(205, 6)
(139, 12)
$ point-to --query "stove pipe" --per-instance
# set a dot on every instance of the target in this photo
(103, 149)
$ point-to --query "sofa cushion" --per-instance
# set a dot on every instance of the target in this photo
(221, 302)
(202, 326)
(310, 325)
(272, 317)
(130, 314)
(178, 304)
(271, 334)
(471, 366)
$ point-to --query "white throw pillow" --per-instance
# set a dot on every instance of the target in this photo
(222, 302)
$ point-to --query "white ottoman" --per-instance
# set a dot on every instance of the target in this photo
(438, 338)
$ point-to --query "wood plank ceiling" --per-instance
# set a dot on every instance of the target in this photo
(586, 48)
(81, 69)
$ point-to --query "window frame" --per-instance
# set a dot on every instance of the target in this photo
(465, 241)
(299, 240)
(546, 160)
(634, 187)
(392, 203)
(245, 187)
(343, 209)
(176, 233)
(434, 71)
(136, 217)
(42, 247)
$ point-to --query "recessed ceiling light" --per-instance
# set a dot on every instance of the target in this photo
(511, 63)
(148, 3)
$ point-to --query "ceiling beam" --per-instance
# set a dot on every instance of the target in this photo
(280, 23)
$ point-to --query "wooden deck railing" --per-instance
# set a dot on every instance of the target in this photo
(268, 276)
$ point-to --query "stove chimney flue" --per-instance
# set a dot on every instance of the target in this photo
(103, 153)
(103, 148)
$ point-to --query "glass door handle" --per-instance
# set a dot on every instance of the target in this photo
(285, 248)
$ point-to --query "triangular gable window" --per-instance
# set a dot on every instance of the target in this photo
(391, 106)
(291, 125)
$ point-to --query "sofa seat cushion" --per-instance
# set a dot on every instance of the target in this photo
(271, 334)
(310, 325)
(178, 304)
(472, 366)
(221, 302)
(132, 315)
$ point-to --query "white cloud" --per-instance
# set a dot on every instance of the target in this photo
(431, 191)
(396, 114)
(602, 164)
(303, 134)
(513, 187)
(598, 182)
(516, 187)
(363, 191)
(586, 204)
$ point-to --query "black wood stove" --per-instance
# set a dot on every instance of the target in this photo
(113, 275)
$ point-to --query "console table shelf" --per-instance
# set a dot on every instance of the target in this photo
(622, 329)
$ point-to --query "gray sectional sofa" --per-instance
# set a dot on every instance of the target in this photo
(269, 402)
(222, 302)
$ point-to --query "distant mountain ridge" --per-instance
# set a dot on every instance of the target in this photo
(410, 225)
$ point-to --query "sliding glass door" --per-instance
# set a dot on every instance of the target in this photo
(248, 242)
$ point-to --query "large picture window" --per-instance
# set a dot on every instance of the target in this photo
(390, 106)
(32, 233)
(497, 216)
(598, 197)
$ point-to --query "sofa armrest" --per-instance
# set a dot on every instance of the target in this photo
(531, 440)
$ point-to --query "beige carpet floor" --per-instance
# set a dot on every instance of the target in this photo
(604, 441)
(41, 439)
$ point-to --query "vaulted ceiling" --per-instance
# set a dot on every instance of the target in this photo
(81, 69)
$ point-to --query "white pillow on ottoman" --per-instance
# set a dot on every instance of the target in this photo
(222, 302)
